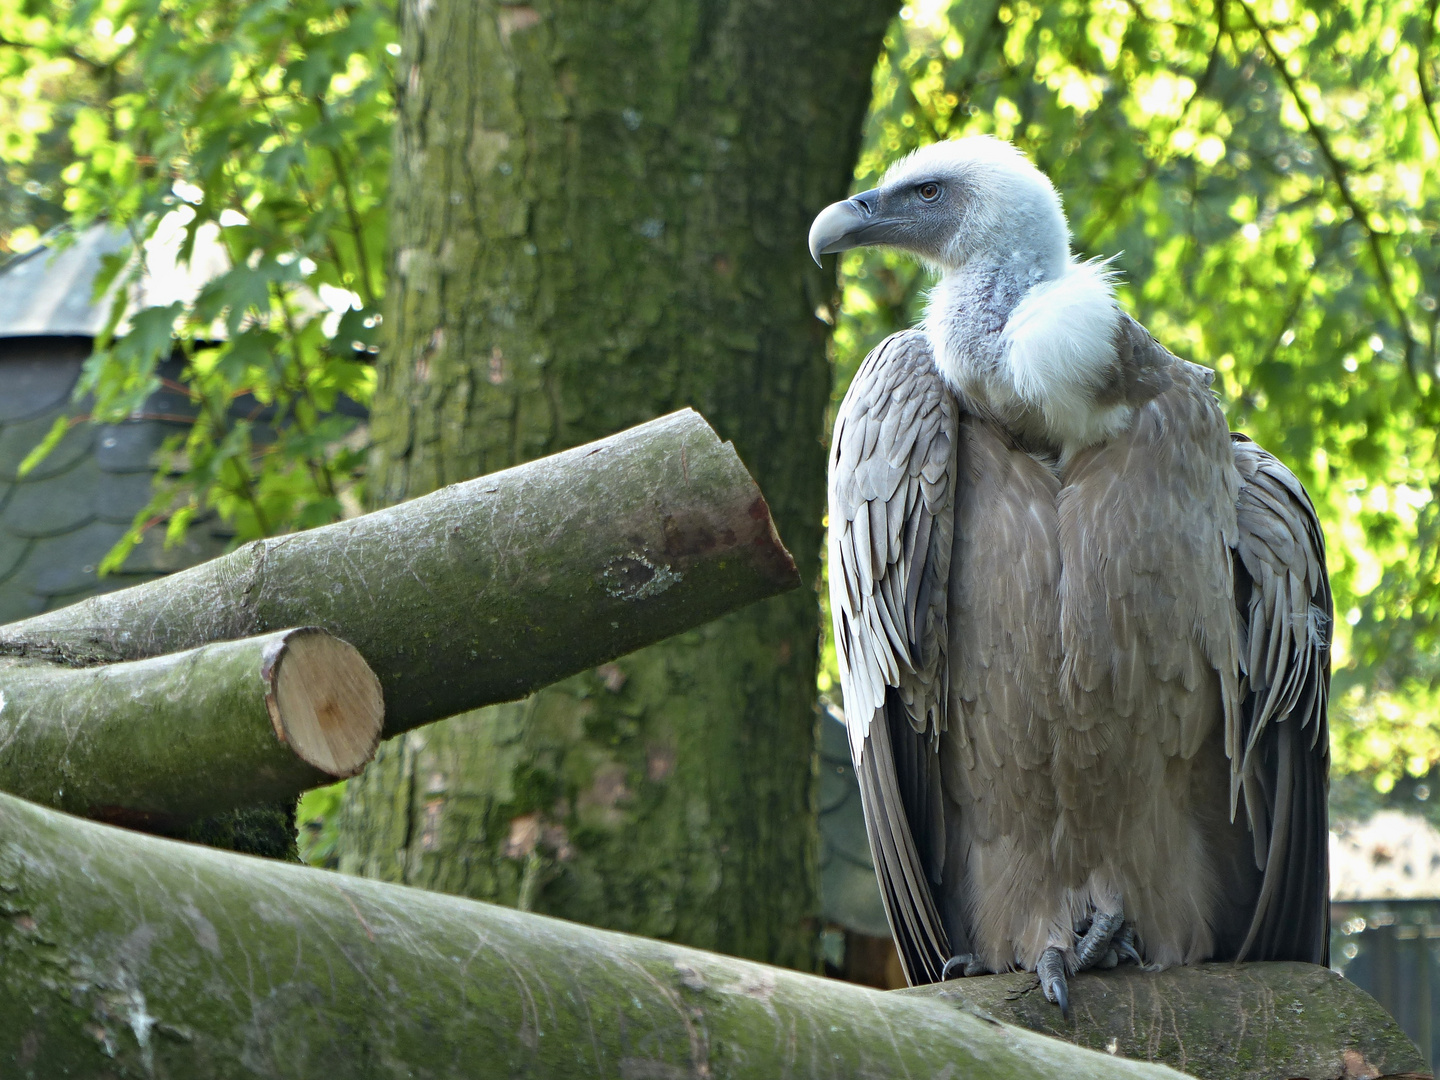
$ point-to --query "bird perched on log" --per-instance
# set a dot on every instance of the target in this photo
(1083, 628)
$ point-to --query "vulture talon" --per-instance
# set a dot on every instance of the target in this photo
(1091, 948)
(962, 965)
(1125, 945)
(1051, 970)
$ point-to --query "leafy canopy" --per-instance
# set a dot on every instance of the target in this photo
(1267, 175)
(263, 129)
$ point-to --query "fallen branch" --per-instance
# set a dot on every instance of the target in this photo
(484, 591)
(158, 743)
(126, 955)
(1215, 1021)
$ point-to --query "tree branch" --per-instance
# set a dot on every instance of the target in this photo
(160, 743)
(484, 591)
(127, 955)
(1215, 1021)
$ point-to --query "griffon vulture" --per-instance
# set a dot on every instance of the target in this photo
(1083, 628)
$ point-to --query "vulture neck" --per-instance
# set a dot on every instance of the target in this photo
(1032, 341)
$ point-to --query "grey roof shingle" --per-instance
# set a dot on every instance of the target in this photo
(60, 520)
(36, 376)
(19, 438)
(130, 448)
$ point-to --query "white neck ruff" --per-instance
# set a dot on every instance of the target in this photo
(1056, 352)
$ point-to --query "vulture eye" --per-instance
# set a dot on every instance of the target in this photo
(929, 191)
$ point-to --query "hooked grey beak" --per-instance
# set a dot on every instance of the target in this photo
(851, 224)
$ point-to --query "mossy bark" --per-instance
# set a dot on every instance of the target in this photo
(123, 955)
(600, 214)
(1214, 1021)
(161, 744)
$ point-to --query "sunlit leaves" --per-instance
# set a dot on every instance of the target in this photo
(255, 134)
(1268, 176)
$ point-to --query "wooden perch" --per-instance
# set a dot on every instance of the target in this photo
(1213, 1021)
(484, 591)
(126, 955)
(157, 743)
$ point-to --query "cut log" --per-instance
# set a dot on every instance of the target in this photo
(483, 591)
(159, 743)
(127, 955)
(1272, 1021)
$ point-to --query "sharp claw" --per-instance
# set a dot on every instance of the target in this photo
(965, 964)
(1051, 970)
(1125, 945)
(962, 965)
(955, 967)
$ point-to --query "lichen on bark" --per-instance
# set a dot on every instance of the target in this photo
(600, 215)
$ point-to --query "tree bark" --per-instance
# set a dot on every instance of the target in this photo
(481, 592)
(161, 743)
(1214, 1021)
(600, 214)
(127, 955)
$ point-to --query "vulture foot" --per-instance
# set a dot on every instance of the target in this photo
(1051, 970)
(962, 965)
(1090, 950)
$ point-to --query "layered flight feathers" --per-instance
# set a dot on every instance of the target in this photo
(1279, 745)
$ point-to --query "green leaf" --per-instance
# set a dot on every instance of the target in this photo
(48, 443)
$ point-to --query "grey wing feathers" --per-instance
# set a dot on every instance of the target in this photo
(1279, 745)
(891, 531)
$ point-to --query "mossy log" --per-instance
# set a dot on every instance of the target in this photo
(127, 955)
(159, 743)
(1274, 1021)
(483, 591)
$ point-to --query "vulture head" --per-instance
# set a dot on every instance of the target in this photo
(952, 203)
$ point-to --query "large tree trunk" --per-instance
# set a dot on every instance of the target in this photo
(600, 214)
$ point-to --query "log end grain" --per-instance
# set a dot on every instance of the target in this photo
(324, 700)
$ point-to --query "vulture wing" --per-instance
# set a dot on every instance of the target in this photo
(1278, 746)
(892, 522)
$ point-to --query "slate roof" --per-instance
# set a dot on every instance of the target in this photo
(48, 290)
(57, 523)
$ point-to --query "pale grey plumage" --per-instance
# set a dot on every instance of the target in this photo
(1071, 644)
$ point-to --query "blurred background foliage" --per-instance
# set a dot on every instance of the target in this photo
(1265, 173)
(1267, 177)
(259, 135)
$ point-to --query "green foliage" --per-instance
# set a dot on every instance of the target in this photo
(317, 825)
(255, 135)
(1267, 175)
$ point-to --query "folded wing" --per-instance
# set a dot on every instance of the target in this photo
(891, 530)
(1278, 744)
